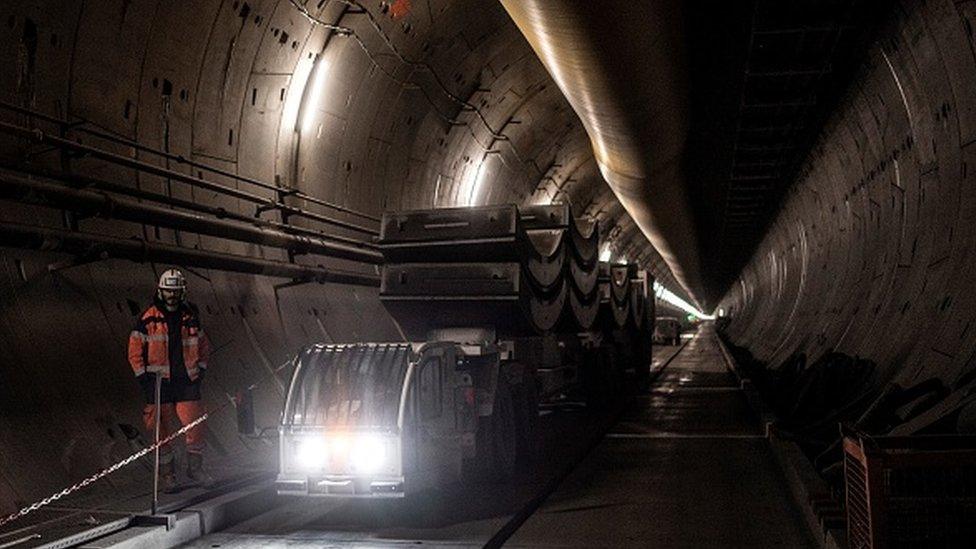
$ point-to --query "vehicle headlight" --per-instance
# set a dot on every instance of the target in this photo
(368, 453)
(311, 453)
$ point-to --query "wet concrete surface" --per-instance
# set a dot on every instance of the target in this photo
(686, 466)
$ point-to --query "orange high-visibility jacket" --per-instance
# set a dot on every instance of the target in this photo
(149, 343)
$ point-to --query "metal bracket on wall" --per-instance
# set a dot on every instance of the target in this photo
(92, 257)
(291, 283)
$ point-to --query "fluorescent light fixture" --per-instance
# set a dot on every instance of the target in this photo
(668, 296)
(296, 91)
(313, 98)
(475, 185)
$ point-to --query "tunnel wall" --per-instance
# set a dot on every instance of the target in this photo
(872, 253)
(420, 104)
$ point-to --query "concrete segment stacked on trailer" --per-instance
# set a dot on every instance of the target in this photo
(495, 266)
(627, 310)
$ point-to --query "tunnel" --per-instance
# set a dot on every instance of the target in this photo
(790, 179)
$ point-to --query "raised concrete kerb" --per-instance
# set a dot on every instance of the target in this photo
(805, 485)
(195, 521)
(766, 416)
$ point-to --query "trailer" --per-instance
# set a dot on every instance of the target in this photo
(504, 309)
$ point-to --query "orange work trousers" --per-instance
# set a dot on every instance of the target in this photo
(186, 411)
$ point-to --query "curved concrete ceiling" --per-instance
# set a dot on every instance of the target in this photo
(368, 107)
(621, 65)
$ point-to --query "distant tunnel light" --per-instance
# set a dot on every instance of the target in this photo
(605, 254)
(668, 296)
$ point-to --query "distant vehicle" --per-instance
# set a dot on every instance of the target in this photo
(667, 331)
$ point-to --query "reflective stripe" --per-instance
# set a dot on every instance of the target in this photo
(202, 365)
(158, 368)
(190, 341)
(139, 370)
(146, 337)
(192, 372)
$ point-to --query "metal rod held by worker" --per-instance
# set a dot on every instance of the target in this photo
(155, 498)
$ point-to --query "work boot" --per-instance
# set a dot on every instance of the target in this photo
(167, 477)
(195, 471)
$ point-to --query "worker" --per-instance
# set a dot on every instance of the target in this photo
(169, 342)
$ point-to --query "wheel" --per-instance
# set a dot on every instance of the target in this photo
(600, 383)
(527, 399)
(504, 434)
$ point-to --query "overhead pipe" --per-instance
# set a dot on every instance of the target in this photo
(620, 64)
(104, 205)
(97, 246)
(145, 167)
(182, 160)
(86, 181)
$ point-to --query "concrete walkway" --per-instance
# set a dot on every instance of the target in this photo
(687, 466)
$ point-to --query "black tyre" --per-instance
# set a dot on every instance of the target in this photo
(599, 378)
(527, 399)
(504, 436)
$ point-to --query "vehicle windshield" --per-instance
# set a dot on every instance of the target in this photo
(347, 386)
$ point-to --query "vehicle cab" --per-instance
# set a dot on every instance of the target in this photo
(374, 420)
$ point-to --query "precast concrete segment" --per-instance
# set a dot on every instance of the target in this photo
(620, 65)
(686, 466)
(874, 251)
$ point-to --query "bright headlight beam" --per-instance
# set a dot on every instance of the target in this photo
(311, 453)
(368, 453)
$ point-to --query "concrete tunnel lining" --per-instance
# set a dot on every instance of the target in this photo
(213, 86)
(871, 253)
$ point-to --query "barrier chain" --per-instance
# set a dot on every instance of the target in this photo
(112, 468)
(103, 473)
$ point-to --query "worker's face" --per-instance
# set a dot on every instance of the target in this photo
(171, 298)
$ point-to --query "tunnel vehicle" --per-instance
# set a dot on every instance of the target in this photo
(503, 308)
(667, 331)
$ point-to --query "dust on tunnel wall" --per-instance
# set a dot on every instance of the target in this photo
(873, 251)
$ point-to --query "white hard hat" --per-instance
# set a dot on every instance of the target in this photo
(172, 279)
